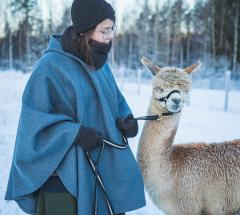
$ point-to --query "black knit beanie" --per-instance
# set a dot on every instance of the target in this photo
(86, 14)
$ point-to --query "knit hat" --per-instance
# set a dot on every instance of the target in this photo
(86, 14)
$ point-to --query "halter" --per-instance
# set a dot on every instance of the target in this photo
(165, 98)
(94, 164)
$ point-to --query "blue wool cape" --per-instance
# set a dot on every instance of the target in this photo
(61, 95)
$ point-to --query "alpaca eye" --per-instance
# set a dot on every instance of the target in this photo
(160, 90)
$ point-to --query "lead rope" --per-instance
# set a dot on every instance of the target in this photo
(98, 179)
(94, 164)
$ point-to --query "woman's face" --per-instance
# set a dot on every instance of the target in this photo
(103, 32)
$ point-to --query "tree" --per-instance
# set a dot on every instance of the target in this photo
(236, 40)
(24, 9)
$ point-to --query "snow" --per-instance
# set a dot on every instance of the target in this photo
(203, 120)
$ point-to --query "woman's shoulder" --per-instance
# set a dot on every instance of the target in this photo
(48, 73)
(55, 64)
(57, 59)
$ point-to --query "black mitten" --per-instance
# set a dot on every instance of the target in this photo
(128, 126)
(88, 138)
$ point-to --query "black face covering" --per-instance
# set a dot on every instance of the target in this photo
(99, 51)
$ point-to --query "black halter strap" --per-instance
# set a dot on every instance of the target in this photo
(165, 98)
(156, 117)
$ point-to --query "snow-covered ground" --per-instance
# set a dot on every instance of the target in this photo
(203, 120)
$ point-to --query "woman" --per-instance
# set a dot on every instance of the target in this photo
(71, 103)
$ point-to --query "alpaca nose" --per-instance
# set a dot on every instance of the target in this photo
(176, 100)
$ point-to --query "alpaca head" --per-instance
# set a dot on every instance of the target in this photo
(170, 86)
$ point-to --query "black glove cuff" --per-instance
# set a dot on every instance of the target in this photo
(88, 138)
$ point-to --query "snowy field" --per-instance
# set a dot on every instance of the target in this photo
(203, 120)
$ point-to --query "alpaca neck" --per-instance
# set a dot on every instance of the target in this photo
(156, 142)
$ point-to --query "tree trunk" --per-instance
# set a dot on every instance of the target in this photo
(222, 25)
(113, 53)
(236, 38)
(130, 51)
(20, 51)
(28, 48)
(188, 39)
(181, 56)
(213, 33)
(10, 51)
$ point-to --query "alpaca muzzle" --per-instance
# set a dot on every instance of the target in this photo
(173, 101)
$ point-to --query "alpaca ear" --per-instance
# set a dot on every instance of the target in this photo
(194, 67)
(151, 66)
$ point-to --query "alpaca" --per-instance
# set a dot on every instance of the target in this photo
(185, 179)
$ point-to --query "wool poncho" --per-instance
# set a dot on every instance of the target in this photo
(61, 95)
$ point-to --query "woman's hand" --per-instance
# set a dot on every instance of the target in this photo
(128, 126)
(88, 138)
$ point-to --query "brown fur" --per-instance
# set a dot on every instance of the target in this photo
(186, 179)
